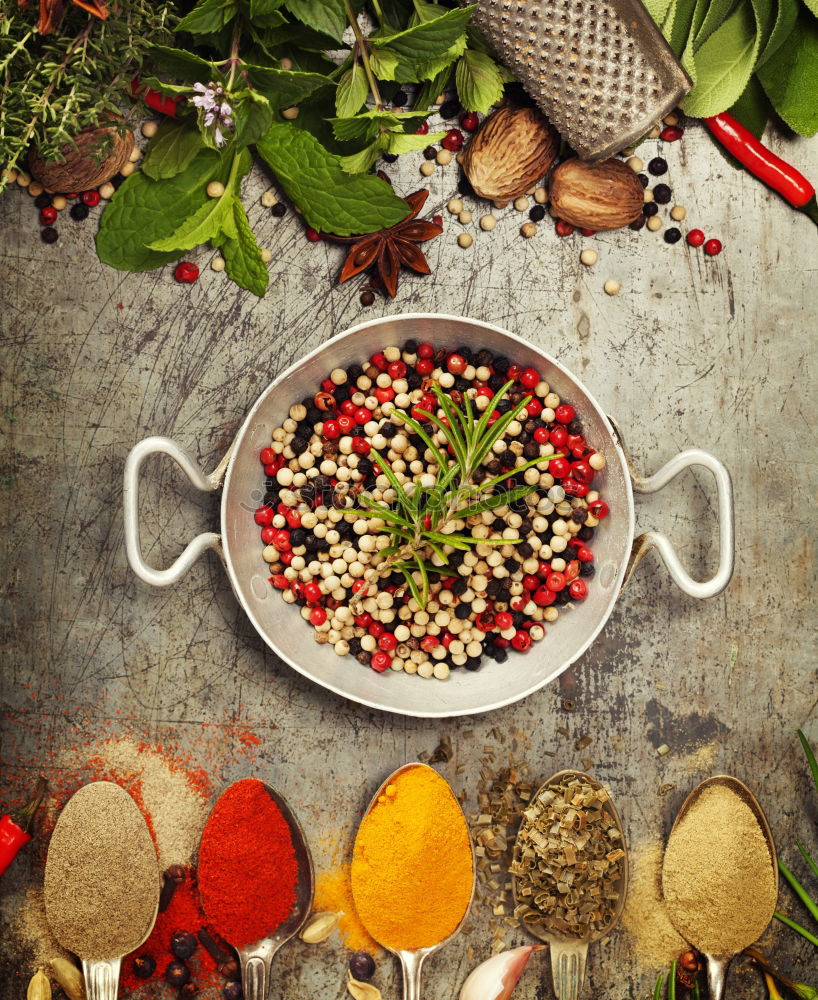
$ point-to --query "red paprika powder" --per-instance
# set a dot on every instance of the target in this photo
(247, 867)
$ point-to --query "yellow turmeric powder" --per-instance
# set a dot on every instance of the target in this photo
(412, 865)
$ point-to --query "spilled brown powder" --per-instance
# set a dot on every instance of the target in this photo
(653, 940)
(718, 879)
(101, 876)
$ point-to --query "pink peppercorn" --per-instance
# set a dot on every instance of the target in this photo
(469, 121)
(564, 228)
(712, 248)
(90, 198)
(671, 134)
(695, 237)
(313, 235)
(186, 272)
(422, 129)
(452, 140)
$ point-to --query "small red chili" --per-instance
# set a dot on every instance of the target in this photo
(15, 828)
(186, 272)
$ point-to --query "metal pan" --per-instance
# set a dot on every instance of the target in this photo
(239, 475)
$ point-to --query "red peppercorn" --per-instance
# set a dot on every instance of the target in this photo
(575, 489)
(285, 557)
(588, 232)
(380, 662)
(426, 351)
(358, 586)
(695, 237)
(267, 456)
(186, 272)
(599, 509)
(578, 590)
(387, 642)
(376, 629)
(582, 471)
(396, 370)
(469, 121)
(437, 220)
(361, 446)
(671, 133)
(558, 437)
(529, 378)
(555, 581)
(267, 535)
(312, 235)
(584, 554)
(541, 435)
(348, 407)
(564, 228)
(572, 570)
(264, 516)
(456, 364)
(543, 597)
(503, 621)
(424, 367)
(384, 395)
(429, 642)
(533, 407)
(293, 520)
(712, 248)
(318, 616)
(279, 581)
(90, 198)
(282, 540)
(452, 140)
(331, 430)
(530, 582)
(564, 414)
(513, 372)
(521, 642)
(422, 129)
(48, 215)
(559, 468)
(345, 423)
(362, 415)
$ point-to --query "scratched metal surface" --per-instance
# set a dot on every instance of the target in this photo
(716, 353)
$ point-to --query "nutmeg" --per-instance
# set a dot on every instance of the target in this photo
(602, 195)
(80, 170)
(513, 149)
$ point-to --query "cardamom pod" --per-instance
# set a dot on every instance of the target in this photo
(362, 991)
(39, 988)
(319, 927)
(69, 977)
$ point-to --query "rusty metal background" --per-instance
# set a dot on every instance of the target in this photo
(693, 351)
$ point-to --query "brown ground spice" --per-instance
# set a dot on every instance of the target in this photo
(718, 879)
(652, 938)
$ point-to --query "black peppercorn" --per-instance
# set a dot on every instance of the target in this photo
(462, 611)
(389, 157)
(644, 180)
(662, 194)
(177, 974)
(364, 657)
(42, 200)
(651, 208)
(362, 965)
(537, 213)
(672, 235)
(79, 212)
(429, 153)
(657, 166)
(638, 223)
(450, 109)
(279, 209)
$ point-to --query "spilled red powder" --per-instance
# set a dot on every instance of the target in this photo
(247, 867)
(184, 913)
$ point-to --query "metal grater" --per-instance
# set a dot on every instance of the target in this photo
(599, 70)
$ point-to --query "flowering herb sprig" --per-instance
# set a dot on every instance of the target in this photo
(422, 520)
(214, 111)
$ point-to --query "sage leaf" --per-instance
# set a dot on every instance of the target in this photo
(400, 142)
(172, 149)
(208, 16)
(724, 64)
(790, 78)
(478, 81)
(352, 91)
(142, 210)
(752, 110)
(429, 39)
(326, 16)
(242, 256)
(284, 88)
(677, 26)
(717, 13)
(657, 9)
(184, 65)
(786, 16)
(330, 199)
(252, 117)
(214, 216)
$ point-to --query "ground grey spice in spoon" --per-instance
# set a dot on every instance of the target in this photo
(718, 879)
(101, 876)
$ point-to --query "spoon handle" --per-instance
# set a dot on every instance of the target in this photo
(255, 962)
(568, 967)
(716, 976)
(101, 978)
(411, 963)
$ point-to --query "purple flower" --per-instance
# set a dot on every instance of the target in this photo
(217, 112)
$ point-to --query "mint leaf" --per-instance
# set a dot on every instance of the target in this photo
(352, 91)
(369, 123)
(431, 88)
(252, 116)
(786, 17)
(430, 39)
(326, 16)
(214, 216)
(790, 78)
(169, 89)
(478, 81)
(266, 13)
(400, 142)
(284, 88)
(184, 65)
(172, 149)
(331, 200)
(242, 257)
(143, 210)
(427, 69)
(208, 16)
(724, 64)
(364, 160)
(384, 63)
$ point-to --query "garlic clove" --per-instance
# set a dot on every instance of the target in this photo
(496, 978)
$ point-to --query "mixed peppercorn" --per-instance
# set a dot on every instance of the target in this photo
(530, 559)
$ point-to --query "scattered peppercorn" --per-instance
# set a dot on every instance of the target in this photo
(177, 974)
(79, 212)
(279, 209)
(400, 99)
(48, 215)
(671, 134)
(643, 179)
(49, 235)
(469, 121)
(389, 157)
(657, 166)
(367, 298)
(695, 237)
(186, 272)
(42, 200)
(312, 235)
(672, 235)
(712, 248)
(452, 140)
(144, 966)
(537, 213)
(638, 223)
(661, 194)
(450, 109)
(564, 228)
(90, 198)
(651, 208)
(182, 944)
(362, 965)
(232, 991)
(429, 153)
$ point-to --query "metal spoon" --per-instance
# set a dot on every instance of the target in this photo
(717, 965)
(569, 955)
(412, 960)
(256, 959)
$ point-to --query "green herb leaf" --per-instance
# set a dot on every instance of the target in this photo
(208, 16)
(400, 142)
(362, 161)
(384, 63)
(169, 89)
(211, 218)
(813, 763)
(326, 16)
(331, 200)
(430, 39)
(184, 65)
(252, 117)
(657, 9)
(143, 210)
(172, 149)
(785, 20)
(790, 78)
(431, 88)
(752, 110)
(242, 256)
(266, 13)
(369, 123)
(478, 81)
(352, 91)
(724, 64)
(284, 88)
(495, 500)
(716, 13)
(427, 69)
(677, 24)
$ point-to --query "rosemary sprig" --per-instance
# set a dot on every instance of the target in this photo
(422, 521)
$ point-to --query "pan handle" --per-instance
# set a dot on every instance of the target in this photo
(130, 497)
(656, 540)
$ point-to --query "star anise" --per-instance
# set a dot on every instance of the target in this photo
(389, 249)
(51, 12)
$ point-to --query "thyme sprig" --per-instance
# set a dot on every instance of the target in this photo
(422, 521)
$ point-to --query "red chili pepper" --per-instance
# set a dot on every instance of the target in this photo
(154, 100)
(764, 164)
(15, 829)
